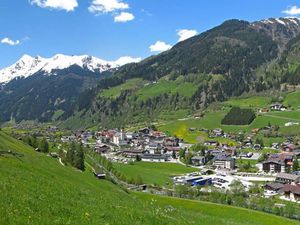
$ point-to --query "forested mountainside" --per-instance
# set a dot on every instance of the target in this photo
(36, 88)
(225, 61)
(45, 97)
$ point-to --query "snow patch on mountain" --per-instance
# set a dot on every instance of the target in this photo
(27, 65)
(286, 21)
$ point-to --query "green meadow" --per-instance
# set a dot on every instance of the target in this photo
(153, 173)
(115, 92)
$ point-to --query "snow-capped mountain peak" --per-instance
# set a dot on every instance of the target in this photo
(286, 21)
(27, 65)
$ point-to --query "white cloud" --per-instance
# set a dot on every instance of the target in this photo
(127, 59)
(8, 41)
(107, 6)
(186, 34)
(68, 5)
(292, 11)
(160, 46)
(124, 17)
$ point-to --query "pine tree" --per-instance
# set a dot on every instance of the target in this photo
(71, 154)
(43, 145)
(174, 154)
(79, 158)
(295, 164)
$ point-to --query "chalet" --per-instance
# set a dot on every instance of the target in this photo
(153, 147)
(171, 142)
(68, 138)
(247, 143)
(274, 166)
(216, 152)
(291, 192)
(264, 110)
(286, 178)
(211, 143)
(106, 134)
(223, 162)
(199, 115)
(278, 107)
(275, 145)
(145, 130)
(170, 150)
(218, 132)
(130, 135)
(277, 163)
(289, 147)
(257, 147)
(102, 148)
(199, 160)
(184, 145)
(99, 175)
(53, 154)
(154, 158)
(132, 153)
(158, 134)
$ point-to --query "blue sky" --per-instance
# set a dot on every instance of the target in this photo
(110, 29)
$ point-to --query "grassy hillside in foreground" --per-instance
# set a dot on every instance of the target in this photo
(36, 189)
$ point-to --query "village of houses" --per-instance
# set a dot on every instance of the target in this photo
(217, 167)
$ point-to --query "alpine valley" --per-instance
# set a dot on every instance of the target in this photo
(205, 132)
(229, 60)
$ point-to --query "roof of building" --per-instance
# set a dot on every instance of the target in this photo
(154, 156)
(287, 176)
(295, 189)
(198, 157)
(274, 161)
(222, 158)
(274, 186)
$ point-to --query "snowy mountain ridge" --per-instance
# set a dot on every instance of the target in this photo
(27, 66)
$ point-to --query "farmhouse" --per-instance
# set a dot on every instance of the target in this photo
(278, 107)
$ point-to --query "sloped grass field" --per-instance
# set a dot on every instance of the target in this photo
(154, 173)
(212, 120)
(292, 99)
(36, 189)
(185, 89)
(115, 92)
(251, 102)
